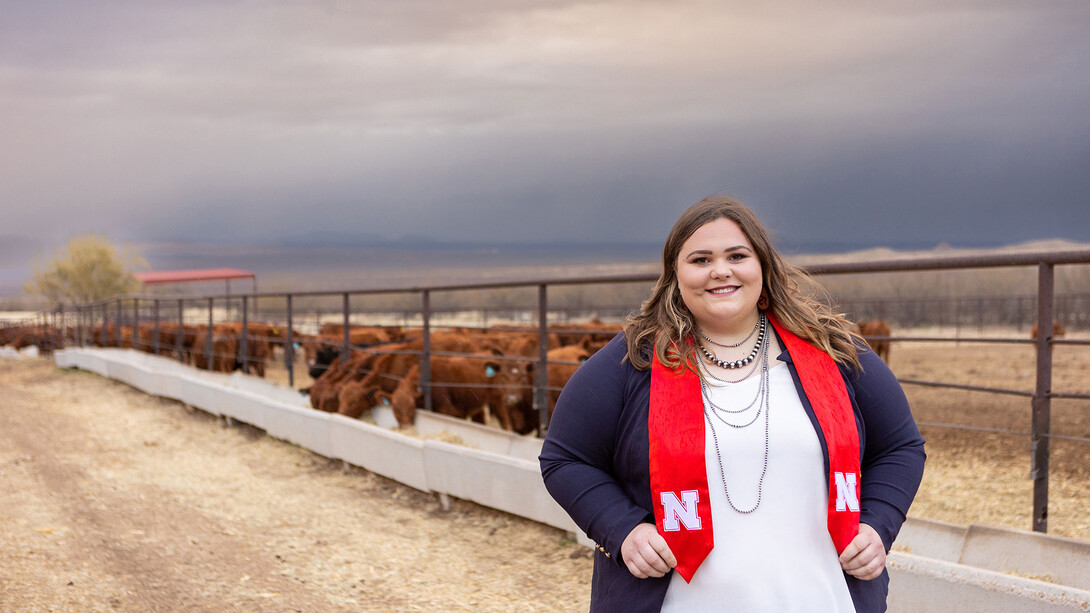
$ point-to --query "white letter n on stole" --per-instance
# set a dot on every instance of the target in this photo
(847, 497)
(677, 512)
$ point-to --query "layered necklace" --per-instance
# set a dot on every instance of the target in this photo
(729, 417)
(760, 327)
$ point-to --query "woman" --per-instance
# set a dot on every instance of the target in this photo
(736, 448)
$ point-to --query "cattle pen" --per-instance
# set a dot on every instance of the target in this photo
(299, 316)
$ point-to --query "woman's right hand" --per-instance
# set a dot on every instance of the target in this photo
(646, 553)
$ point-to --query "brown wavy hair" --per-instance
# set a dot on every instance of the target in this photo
(666, 326)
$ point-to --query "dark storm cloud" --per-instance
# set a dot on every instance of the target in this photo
(940, 122)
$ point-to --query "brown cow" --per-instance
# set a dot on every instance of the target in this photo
(378, 368)
(476, 382)
(876, 328)
(1057, 330)
(224, 351)
(595, 329)
(462, 386)
(405, 397)
(563, 362)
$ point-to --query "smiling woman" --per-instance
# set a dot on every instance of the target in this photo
(719, 277)
(661, 443)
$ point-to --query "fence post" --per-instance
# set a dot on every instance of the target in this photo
(289, 348)
(135, 323)
(425, 355)
(346, 348)
(541, 371)
(208, 336)
(119, 323)
(155, 306)
(244, 342)
(180, 337)
(62, 328)
(1042, 405)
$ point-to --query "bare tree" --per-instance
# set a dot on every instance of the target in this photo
(88, 269)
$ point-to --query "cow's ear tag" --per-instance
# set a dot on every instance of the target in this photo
(295, 346)
(490, 370)
(386, 402)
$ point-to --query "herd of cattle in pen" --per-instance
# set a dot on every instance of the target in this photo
(474, 372)
(483, 374)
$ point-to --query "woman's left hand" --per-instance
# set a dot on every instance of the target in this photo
(864, 557)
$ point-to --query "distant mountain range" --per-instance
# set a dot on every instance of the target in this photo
(348, 261)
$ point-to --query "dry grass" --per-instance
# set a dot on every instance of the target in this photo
(983, 477)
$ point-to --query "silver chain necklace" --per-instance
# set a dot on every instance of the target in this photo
(746, 360)
(761, 400)
(739, 343)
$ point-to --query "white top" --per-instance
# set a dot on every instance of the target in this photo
(780, 557)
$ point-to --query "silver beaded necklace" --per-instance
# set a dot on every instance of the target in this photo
(761, 402)
(708, 355)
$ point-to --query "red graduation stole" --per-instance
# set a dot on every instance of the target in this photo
(679, 481)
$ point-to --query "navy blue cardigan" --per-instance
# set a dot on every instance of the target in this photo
(595, 464)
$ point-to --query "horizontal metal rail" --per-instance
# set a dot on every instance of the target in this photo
(971, 388)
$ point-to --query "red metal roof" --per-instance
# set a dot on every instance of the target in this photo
(189, 276)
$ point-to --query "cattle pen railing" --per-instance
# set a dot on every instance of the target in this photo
(76, 323)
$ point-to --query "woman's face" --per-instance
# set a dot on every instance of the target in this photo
(719, 275)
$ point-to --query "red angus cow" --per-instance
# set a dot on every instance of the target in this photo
(377, 369)
(1057, 330)
(224, 351)
(876, 328)
(405, 397)
(462, 386)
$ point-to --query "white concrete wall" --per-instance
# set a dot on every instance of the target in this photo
(925, 585)
(7, 352)
(381, 451)
(1016, 552)
(936, 567)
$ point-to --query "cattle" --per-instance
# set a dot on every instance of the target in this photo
(323, 392)
(1057, 330)
(563, 362)
(478, 382)
(876, 333)
(464, 387)
(405, 397)
(378, 368)
(324, 356)
(473, 371)
(107, 336)
(594, 330)
(42, 336)
(224, 349)
(363, 335)
(321, 349)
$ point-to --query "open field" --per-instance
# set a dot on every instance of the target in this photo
(983, 477)
(118, 501)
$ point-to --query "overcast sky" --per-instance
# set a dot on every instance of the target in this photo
(869, 122)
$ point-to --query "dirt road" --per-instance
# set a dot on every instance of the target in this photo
(116, 501)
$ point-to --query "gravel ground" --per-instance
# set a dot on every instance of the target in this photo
(117, 501)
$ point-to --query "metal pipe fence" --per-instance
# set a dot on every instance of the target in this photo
(93, 323)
